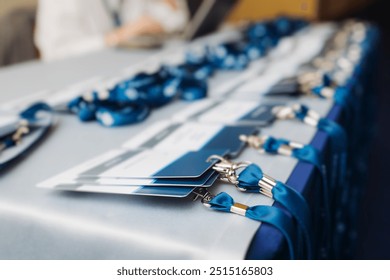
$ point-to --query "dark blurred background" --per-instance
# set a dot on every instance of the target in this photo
(17, 19)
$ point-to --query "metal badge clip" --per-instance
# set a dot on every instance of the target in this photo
(17, 136)
(255, 142)
(283, 112)
(204, 194)
(266, 185)
(227, 169)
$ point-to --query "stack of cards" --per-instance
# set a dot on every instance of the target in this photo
(168, 159)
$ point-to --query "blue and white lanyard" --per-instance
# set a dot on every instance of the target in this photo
(130, 101)
(266, 214)
(252, 179)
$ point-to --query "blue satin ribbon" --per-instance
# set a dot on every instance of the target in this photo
(266, 214)
(338, 143)
(339, 148)
(294, 202)
(31, 112)
(338, 180)
(309, 154)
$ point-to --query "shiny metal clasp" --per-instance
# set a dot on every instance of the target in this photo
(204, 194)
(283, 112)
(253, 141)
(227, 169)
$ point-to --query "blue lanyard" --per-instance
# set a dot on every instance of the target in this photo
(305, 153)
(30, 120)
(252, 179)
(337, 136)
(338, 143)
(130, 101)
(27, 118)
(336, 133)
(262, 213)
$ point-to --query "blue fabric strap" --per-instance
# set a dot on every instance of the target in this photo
(266, 214)
(338, 144)
(306, 153)
(31, 112)
(28, 118)
(250, 180)
(337, 136)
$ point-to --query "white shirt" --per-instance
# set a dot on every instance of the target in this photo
(70, 27)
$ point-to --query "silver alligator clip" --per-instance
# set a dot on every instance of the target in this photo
(227, 169)
(204, 194)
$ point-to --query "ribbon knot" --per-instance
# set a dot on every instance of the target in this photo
(249, 178)
(271, 145)
(222, 202)
(301, 112)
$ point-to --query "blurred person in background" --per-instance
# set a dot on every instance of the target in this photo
(71, 27)
(16, 36)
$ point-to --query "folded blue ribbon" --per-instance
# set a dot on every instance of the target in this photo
(266, 214)
(294, 202)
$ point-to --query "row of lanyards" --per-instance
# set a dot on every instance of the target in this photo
(333, 68)
(339, 77)
(338, 141)
(131, 101)
(253, 174)
(356, 126)
(338, 70)
(306, 153)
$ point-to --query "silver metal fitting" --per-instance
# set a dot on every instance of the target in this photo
(312, 118)
(266, 185)
(239, 209)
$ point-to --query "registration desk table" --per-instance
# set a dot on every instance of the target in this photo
(39, 223)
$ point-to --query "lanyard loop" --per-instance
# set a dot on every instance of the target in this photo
(312, 118)
(338, 138)
(252, 179)
(266, 214)
(272, 145)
